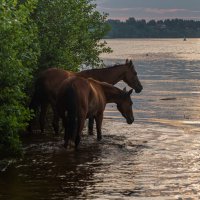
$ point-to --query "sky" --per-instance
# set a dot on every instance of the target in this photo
(150, 9)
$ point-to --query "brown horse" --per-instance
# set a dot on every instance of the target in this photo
(79, 98)
(48, 82)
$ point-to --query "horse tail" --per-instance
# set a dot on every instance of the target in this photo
(72, 115)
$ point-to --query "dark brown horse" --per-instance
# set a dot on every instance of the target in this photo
(48, 82)
(79, 98)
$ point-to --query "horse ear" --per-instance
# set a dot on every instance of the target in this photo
(124, 89)
(131, 63)
(126, 61)
(130, 91)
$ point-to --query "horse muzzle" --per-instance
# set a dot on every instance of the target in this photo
(130, 120)
(139, 89)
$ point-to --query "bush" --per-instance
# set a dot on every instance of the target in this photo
(18, 54)
(35, 35)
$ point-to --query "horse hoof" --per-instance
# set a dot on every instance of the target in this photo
(99, 138)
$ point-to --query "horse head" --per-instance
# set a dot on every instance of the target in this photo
(131, 77)
(125, 106)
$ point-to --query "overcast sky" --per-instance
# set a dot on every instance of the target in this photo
(150, 9)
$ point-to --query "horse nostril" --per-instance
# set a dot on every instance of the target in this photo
(130, 120)
(139, 90)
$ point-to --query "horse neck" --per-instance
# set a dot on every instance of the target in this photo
(110, 75)
(111, 93)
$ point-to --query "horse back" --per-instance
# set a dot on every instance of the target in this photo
(81, 96)
(73, 96)
(50, 80)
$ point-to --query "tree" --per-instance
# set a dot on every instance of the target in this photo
(35, 35)
(70, 33)
(131, 21)
(18, 54)
(152, 22)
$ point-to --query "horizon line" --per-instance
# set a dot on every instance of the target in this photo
(123, 19)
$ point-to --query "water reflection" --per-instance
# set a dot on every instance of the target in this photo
(49, 171)
(154, 49)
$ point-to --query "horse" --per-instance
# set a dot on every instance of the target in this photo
(79, 98)
(48, 82)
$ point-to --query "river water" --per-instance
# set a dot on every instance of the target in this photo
(157, 157)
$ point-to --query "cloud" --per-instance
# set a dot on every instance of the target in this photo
(118, 9)
(164, 11)
(146, 9)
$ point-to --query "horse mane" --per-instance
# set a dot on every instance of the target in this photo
(105, 85)
(106, 68)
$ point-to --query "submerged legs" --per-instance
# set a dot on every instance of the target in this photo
(99, 119)
(90, 125)
(42, 116)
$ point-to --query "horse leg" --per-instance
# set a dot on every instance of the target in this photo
(77, 141)
(55, 122)
(42, 116)
(81, 123)
(99, 119)
(30, 123)
(90, 125)
(34, 106)
(66, 136)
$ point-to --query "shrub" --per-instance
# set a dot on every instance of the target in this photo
(18, 54)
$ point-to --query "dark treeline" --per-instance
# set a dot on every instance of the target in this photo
(174, 28)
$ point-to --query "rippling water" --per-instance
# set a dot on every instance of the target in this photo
(157, 157)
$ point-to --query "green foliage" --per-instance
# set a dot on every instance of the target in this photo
(70, 33)
(35, 35)
(18, 55)
(174, 28)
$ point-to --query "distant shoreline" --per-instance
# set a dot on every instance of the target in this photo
(169, 28)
